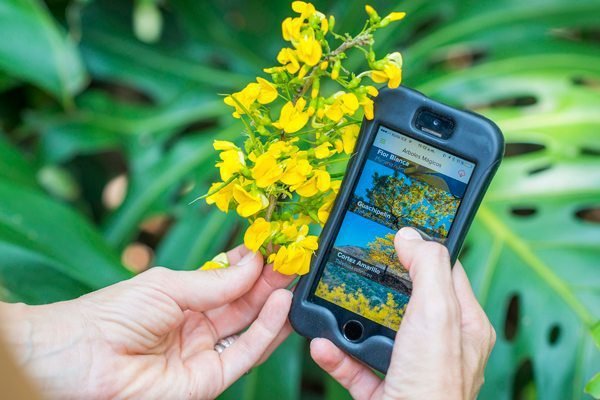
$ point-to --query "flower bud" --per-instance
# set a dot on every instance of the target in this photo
(373, 16)
(335, 71)
(315, 88)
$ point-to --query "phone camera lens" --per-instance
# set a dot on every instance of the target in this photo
(433, 123)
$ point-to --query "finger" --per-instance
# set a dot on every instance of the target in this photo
(358, 379)
(203, 290)
(236, 254)
(281, 337)
(464, 293)
(429, 266)
(241, 356)
(475, 323)
(234, 317)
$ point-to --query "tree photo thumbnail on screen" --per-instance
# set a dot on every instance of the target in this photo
(417, 196)
(362, 296)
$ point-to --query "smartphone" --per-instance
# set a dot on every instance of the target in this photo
(418, 163)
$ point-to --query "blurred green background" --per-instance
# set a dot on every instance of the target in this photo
(108, 110)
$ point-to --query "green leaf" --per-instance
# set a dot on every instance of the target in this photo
(35, 49)
(529, 249)
(593, 386)
(186, 246)
(13, 166)
(45, 244)
(163, 70)
(101, 123)
(150, 182)
(277, 378)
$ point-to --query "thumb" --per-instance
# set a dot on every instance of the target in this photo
(204, 290)
(428, 264)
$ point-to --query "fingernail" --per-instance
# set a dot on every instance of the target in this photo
(247, 259)
(409, 234)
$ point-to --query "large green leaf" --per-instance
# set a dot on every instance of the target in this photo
(34, 48)
(14, 166)
(49, 252)
(278, 378)
(163, 70)
(151, 178)
(529, 249)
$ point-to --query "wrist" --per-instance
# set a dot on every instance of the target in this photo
(16, 330)
(50, 344)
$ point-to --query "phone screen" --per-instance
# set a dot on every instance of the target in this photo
(404, 182)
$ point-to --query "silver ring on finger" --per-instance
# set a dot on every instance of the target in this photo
(224, 343)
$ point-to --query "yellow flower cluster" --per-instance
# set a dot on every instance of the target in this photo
(300, 131)
(387, 314)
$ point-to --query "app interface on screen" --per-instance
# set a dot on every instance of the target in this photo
(404, 182)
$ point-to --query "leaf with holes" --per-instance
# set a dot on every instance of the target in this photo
(533, 251)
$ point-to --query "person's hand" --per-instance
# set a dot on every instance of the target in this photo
(444, 340)
(154, 336)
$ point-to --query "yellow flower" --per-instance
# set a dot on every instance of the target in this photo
(296, 171)
(249, 203)
(295, 257)
(290, 28)
(267, 92)
(309, 243)
(348, 139)
(324, 23)
(373, 16)
(220, 145)
(289, 59)
(292, 259)
(257, 233)
(367, 105)
(309, 50)
(232, 162)
(325, 209)
(391, 17)
(344, 103)
(319, 182)
(222, 198)
(370, 10)
(266, 170)
(372, 91)
(322, 151)
(218, 262)
(243, 99)
(306, 10)
(335, 186)
(390, 72)
(281, 148)
(292, 117)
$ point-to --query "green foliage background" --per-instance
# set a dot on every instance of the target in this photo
(82, 100)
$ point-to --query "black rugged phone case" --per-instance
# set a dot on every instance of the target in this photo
(475, 138)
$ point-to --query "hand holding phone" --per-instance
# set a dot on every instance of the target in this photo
(442, 345)
(419, 164)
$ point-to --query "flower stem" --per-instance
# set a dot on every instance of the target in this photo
(215, 190)
(271, 208)
(361, 39)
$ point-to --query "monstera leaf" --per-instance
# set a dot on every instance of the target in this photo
(533, 251)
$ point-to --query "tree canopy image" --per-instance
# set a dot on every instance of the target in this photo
(414, 202)
(382, 251)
